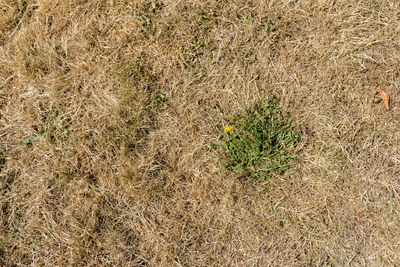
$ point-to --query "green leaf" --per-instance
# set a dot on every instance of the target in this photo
(28, 141)
(154, 5)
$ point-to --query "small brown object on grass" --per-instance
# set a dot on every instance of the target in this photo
(386, 98)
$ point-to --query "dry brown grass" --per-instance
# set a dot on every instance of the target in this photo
(123, 99)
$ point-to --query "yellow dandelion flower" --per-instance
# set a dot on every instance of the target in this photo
(229, 129)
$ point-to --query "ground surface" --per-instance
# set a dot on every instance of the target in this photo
(108, 109)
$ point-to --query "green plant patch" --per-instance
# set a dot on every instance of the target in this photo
(259, 142)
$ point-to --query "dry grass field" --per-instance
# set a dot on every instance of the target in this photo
(108, 110)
